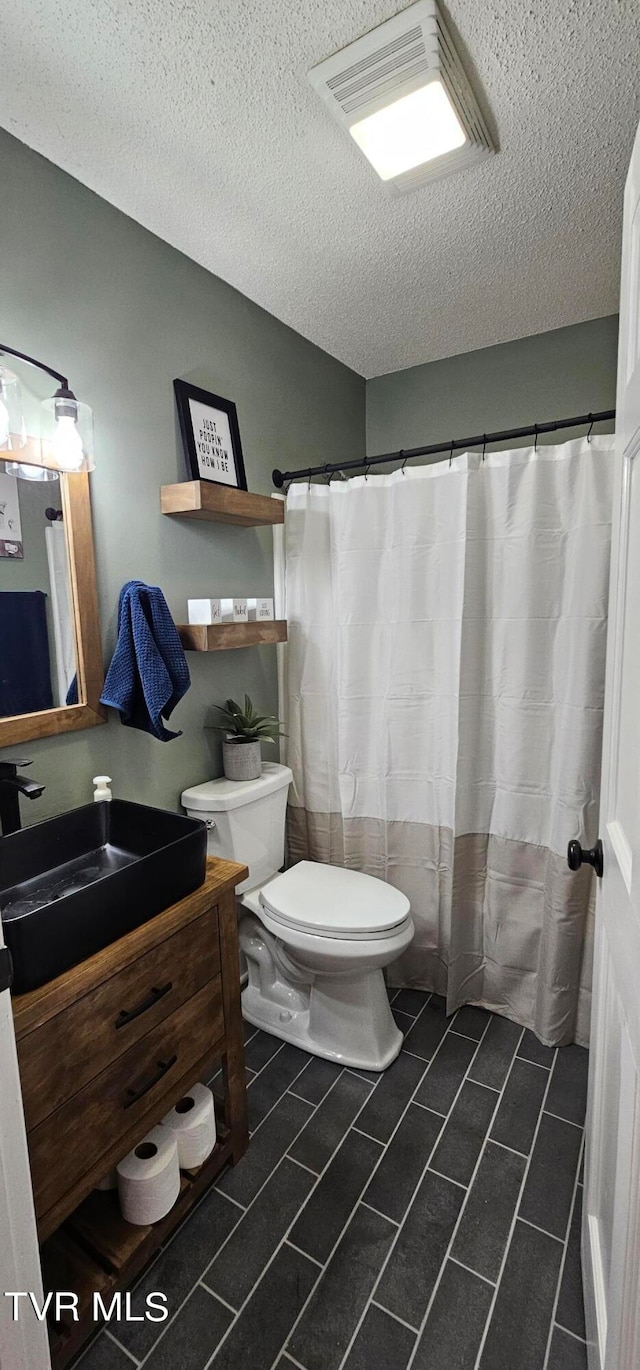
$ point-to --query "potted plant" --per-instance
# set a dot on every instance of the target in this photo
(244, 730)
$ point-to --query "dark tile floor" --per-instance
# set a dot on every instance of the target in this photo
(427, 1218)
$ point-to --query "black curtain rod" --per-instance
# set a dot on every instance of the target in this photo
(483, 440)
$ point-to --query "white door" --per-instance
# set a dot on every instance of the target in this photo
(611, 1223)
(23, 1344)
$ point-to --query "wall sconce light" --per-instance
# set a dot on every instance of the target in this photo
(12, 429)
(66, 425)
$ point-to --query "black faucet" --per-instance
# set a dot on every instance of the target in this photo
(11, 786)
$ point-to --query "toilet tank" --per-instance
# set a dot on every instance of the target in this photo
(245, 820)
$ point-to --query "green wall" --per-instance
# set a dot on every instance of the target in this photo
(95, 295)
(534, 380)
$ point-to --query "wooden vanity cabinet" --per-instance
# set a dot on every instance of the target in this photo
(105, 1051)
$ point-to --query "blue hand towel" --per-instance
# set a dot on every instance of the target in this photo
(148, 674)
(25, 669)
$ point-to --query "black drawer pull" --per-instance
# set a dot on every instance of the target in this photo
(127, 1016)
(134, 1094)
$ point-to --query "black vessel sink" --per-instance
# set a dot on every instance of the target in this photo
(74, 884)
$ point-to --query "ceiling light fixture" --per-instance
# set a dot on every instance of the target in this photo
(402, 94)
(66, 425)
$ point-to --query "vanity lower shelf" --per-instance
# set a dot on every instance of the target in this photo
(97, 1251)
(221, 637)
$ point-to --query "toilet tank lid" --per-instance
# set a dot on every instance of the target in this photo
(218, 796)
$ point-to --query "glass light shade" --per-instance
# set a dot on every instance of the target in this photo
(13, 433)
(66, 434)
(26, 471)
(412, 130)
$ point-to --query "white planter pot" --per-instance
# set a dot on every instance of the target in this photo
(242, 760)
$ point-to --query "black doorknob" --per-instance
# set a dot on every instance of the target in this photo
(577, 856)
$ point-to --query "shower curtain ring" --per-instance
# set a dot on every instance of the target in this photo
(591, 421)
(309, 480)
(535, 445)
(451, 452)
(484, 444)
(328, 473)
(366, 473)
(401, 454)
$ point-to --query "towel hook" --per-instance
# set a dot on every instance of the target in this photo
(591, 422)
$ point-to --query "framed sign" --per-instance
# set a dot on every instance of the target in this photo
(211, 437)
(10, 530)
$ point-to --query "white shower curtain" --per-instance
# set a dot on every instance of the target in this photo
(61, 608)
(445, 677)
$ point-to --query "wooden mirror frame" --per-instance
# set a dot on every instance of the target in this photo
(66, 718)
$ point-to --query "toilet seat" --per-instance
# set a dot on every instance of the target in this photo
(329, 901)
(297, 934)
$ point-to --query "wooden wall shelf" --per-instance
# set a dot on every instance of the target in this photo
(221, 637)
(201, 499)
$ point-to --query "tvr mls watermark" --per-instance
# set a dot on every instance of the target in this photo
(64, 1301)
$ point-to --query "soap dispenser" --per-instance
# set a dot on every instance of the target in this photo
(102, 791)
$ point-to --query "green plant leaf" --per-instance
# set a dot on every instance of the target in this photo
(247, 723)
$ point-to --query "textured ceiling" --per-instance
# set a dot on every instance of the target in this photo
(195, 117)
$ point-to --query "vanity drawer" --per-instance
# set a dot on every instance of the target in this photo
(59, 1058)
(114, 1104)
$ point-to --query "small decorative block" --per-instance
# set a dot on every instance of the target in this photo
(233, 611)
(259, 609)
(204, 611)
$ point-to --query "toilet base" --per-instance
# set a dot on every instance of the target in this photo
(344, 1020)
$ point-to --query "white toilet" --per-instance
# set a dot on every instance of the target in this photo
(315, 938)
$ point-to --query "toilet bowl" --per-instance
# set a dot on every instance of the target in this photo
(315, 938)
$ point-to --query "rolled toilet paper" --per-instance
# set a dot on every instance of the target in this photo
(149, 1178)
(193, 1124)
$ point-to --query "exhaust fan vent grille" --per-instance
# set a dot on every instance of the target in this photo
(399, 57)
(387, 69)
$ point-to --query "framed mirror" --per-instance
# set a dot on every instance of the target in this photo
(51, 671)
